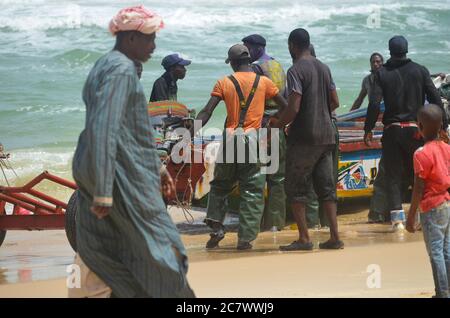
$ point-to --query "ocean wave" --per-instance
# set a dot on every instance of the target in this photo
(421, 21)
(48, 16)
(293, 14)
(28, 163)
(51, 109)
(446, 44)
(204, 15)
(78, 57)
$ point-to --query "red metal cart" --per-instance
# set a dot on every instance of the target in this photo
(34, 210)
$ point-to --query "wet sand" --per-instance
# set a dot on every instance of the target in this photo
(33, 264)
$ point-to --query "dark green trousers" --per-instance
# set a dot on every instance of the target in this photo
(275, 205)
(379, 209)
(251, 199)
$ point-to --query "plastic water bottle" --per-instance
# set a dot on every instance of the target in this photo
(397, 219)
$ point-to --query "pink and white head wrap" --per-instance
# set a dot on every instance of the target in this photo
(136, 19)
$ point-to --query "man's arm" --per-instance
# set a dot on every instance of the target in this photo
(113, 98)
(433, 96)
(417, 196)
(294, 91)
(359, 100)
(281, 102)
(373, 110)
(205, 114)
(441, 75)
(291, 111)
(431, 91)
(334, 100)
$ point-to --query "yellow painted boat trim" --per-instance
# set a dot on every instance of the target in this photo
(354, 193)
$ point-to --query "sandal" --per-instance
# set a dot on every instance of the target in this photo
(329, 245)
(213, 242)
(297, 246)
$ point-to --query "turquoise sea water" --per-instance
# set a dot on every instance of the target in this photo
(48, 47)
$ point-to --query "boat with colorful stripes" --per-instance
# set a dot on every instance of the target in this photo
(358, 163)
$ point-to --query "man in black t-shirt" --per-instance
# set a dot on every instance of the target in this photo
(312, 98)
(165, 87)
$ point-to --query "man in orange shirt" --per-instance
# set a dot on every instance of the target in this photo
(244, 94)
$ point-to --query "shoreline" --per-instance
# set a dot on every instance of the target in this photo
(27, 260)
(293, 277)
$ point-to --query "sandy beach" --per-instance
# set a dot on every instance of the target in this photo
(52, 106)
(33, 264)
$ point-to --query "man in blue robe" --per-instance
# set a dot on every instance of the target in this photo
(124, 234)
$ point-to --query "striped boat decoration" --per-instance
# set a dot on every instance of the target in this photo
(167, 107)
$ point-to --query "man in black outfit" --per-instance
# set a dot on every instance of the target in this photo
(403, 85)
(165, 87)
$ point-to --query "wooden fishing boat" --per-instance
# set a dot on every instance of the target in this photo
(358, 164)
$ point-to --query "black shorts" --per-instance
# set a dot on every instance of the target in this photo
(309, 168)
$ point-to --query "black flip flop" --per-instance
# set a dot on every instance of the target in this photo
(328, 245)
(297, 246)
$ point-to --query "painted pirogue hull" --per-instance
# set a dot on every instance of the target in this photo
(358, 164)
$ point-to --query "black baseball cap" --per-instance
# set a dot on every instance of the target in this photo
(398, 45)
(174, 59)
(255, 39)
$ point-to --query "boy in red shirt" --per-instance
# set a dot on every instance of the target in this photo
(432, 180)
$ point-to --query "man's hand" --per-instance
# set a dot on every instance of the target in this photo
(167, 184)
(443, 135)
(411, 223)
(100, 211)
(368, 136)
(273, 122)
(189, 125)
(355, 107)
(287, 129)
